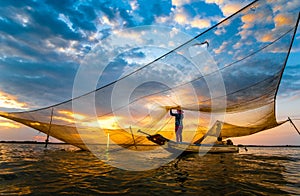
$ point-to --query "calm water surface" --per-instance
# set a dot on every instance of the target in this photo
(63, 169)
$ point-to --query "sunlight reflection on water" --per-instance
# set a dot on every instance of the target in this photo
(63, 169)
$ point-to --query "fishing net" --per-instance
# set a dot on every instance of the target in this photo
(230, 73)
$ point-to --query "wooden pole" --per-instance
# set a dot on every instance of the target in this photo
(47, 139)
(293, 125)
(107, 143)
(133, 137)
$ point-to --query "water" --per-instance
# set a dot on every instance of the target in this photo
(63, 169)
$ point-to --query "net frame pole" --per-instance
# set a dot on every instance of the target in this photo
(107, 142)
(47, 139)
(133, 138)
(293, 125)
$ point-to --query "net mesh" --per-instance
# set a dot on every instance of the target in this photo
(229, 73)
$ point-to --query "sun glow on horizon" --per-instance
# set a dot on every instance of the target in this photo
(7, 124)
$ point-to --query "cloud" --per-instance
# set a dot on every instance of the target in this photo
(181, 17)
(8, 124)
(37, 83)
(42, 48)
(263, 25)
(43, 43)
(11, 101)
(179, 3)
(147, 12)
(229, 9)
(290, 83)
(268, 37)
(218, 2)
(282, 20)
(201, 23)
(248, 20)
(46, 23)
(185, 17)
(222, 48)
(284, 6)
(219, 31)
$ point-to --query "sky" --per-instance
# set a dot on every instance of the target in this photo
(43, 44)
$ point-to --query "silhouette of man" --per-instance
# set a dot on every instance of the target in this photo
(178, 123)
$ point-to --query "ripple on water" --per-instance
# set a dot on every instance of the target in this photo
(29, 169)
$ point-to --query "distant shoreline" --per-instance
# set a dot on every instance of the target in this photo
(62, 143)
(29, 142)
(297, 146)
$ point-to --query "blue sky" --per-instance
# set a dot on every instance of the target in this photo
(44, 42)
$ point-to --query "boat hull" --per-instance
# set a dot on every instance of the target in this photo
(183, 147)
(174, 147)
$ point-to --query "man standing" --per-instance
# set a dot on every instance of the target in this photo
(178, 123)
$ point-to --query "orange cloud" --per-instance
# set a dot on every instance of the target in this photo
(229, 9)
(266, 38)
(10, 101)
(105, 122)
(180, 18)
(72, 114)
(69, 116)
(201, 23)
(248, 20)
(5, 124)
(281, 20)
(69, 120)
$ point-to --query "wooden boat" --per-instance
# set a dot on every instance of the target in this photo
(200, 148)
(184, 147)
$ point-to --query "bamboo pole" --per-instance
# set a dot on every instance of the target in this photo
(107, 142)
(293, 125)
(133, 137)
(47, 139)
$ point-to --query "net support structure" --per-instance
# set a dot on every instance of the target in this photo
(289, 119)
(48, 133)
(107, 143)
(133, 138)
